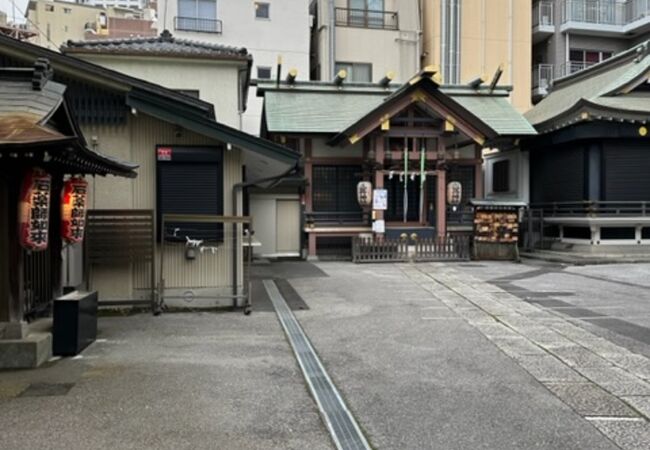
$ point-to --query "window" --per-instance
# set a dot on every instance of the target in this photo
(581, 59)
(263, 73)
(198, 15)
(49, 8)
(262, 10)
(366, 13)
(334, 188)
(67, 11)
(357, 72)
(190, 181)
(501, 176)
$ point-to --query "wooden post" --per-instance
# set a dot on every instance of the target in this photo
(379, 143)
(11, 254)
(441, 191)
(309, 203)
(441, 203)
(479, 189)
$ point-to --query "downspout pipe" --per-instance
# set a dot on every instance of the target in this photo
(239, 187)
(332, 40)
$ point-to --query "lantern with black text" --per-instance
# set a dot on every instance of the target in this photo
(34, 210)
(364, 193)
(73, 210)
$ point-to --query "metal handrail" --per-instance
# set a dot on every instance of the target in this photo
(605, 12)
(367, 18)
(542, 76)
(594, 208)
(543, 14)
(198, 24)
(336, 217)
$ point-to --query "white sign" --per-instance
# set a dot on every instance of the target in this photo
(380, 199)
(379, 226)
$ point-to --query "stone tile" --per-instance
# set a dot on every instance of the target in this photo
(548, 368)
(517, 346)
(495, 330)
(616, 380)
(577, 356)
(637, 364)
(640, 403)
(629, 434)
(587, 399)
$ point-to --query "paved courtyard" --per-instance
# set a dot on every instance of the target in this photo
(452, 356)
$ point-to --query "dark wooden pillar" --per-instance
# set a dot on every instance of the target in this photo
(56, 243)
(380, 151)
(441, 191)
(11, 255)
(309, 202)
(479, 187)
(593, 172)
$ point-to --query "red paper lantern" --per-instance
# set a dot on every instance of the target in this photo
(34, 210)
(73, 209)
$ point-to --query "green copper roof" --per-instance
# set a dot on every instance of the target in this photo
(318, 107)
(605, 85)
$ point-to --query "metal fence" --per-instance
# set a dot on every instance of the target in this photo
(543, 14)
(449, 248)
(198, 24)
(594, 208)
(37, 282)
(366, 18)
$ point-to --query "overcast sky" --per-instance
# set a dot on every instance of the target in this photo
(21, 5)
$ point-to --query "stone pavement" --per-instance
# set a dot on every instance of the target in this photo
(605, 383)
(417, 375)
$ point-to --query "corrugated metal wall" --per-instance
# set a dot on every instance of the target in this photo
(627, 171)
(137, 142)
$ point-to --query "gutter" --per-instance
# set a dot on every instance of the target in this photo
(238, 187)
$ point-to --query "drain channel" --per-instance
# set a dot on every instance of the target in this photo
(342, 427)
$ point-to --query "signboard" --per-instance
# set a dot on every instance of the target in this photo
(164, 154)
(379, 226)
(380, 199)
(73, 209)
(34, 210)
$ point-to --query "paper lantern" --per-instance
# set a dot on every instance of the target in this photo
(364, 193)
(34, 210)
(454, 193)
(73, 209)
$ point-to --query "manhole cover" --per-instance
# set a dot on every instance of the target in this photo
(46, 389)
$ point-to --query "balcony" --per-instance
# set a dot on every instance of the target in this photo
(365, 18)
(543, 21)
(542, 80)
(573, 66)
(198, 25)
(606, 17)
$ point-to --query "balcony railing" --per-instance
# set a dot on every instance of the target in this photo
(594, 209)
(543, 14)
(366, 18)
(542, 76)
(605, 12)
(333, 218)
(573, 66)
(198, 25)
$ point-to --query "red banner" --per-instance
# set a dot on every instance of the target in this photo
(34, 209)
(73, 209)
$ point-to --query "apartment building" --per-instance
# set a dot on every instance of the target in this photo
(366, 38)
(468, 39)
(267, 29)
(55, 22)
(572, 35)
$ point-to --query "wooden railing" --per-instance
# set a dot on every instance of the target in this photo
(449, 248)
(332, 218)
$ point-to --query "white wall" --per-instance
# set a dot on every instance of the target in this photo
(216, 81)
(286, 33)
(519, 175)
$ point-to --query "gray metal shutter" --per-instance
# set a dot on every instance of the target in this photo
(557, 175)
(627, 171)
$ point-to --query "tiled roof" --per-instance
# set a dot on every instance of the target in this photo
(163, 45)
(606, 85)
(317, 107)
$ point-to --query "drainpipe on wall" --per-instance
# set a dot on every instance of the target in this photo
(239, 187)
(332, 39)
(443, 40)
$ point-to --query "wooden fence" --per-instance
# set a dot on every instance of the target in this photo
(451, 248)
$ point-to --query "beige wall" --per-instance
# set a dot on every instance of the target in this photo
(493, 33)
(56, 22)
(386, 50)
(216, 81)
(136, 141)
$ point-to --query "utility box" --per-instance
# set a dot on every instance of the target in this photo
(74, 322)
